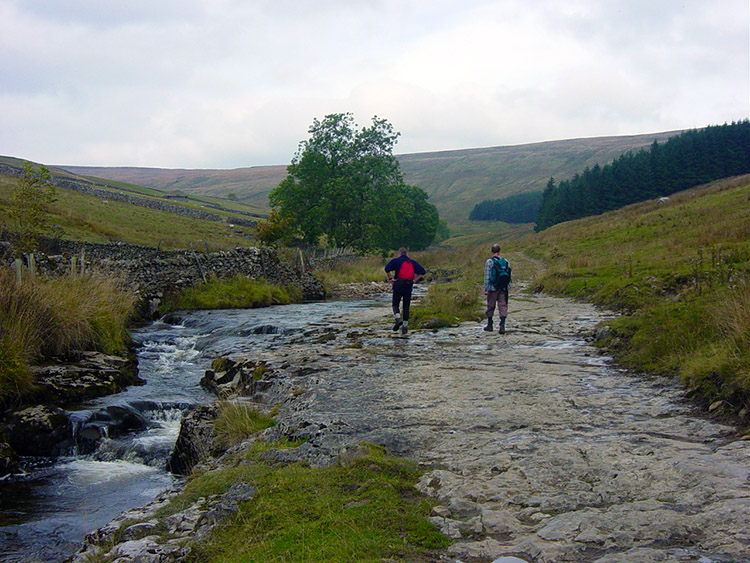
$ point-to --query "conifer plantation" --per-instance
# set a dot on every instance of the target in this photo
(687, 160)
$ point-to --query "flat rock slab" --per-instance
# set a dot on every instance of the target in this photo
(538, 447)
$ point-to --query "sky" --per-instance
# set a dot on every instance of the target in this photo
(235, 83)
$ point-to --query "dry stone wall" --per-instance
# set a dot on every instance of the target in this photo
(152, 273)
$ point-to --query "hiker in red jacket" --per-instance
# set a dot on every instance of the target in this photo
(402, 273)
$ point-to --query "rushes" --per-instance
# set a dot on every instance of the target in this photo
(448, 304)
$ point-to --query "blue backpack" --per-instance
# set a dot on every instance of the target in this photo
(500, 273)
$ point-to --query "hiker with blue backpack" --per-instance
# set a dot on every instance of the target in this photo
(496, 286)
(402, 272)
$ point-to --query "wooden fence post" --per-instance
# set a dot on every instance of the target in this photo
(203, 275)
(18, 264)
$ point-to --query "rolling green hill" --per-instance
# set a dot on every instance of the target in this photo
(97, 210)
(455, 180)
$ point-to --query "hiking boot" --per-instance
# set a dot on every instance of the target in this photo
(501, 330)
(397, 325)
(488, 328)
(404, 330)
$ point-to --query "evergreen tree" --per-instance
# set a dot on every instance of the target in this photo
(692, 158)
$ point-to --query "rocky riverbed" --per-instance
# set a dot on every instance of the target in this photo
(536, 446)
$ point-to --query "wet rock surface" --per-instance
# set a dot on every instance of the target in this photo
(45, 429)
(537, 446)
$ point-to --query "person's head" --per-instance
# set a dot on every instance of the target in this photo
(402, 251)
(495, 248)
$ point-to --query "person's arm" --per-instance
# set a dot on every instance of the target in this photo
(419, 271)
(487, 272)
(389, 268)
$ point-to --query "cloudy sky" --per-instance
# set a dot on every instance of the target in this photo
(232, 83)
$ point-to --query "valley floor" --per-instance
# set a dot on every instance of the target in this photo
(537, 446)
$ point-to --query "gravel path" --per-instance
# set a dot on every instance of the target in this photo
(538, 448)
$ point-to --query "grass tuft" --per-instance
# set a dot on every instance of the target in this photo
(44, 318)
(448, 304)
(237, 421)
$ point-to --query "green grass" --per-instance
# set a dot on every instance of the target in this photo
(41, 319)
(367, 269)
(364, 511)
(92, 219)
(235, 293)
(448, 304)
(237, 421)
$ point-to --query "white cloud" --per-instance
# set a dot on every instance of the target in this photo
(203, 83)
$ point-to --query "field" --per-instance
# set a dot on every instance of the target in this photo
(91, 218)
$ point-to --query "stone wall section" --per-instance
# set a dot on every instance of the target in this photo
(153, 273)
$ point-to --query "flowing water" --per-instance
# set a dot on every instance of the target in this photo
(45, 513)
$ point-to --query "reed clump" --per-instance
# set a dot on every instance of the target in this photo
(237, 421)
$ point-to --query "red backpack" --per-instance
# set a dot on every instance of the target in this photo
(406, 271)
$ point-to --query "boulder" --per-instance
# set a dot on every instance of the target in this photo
(86, 375)
(39, 431)
(195, 441)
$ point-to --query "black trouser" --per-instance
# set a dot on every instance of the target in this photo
(402, 290)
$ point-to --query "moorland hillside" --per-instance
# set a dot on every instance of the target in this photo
(455, 180)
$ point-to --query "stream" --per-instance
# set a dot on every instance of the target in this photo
(535, 445)
(45, 514)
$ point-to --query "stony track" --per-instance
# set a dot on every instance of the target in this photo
(537, 447)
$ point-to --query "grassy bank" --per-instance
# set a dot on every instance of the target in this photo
(42, 319)
(357, 270)
(365, 510)
(235, 293)
(680, 272)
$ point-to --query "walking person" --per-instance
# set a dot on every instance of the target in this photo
(402, 272)
(496, 285)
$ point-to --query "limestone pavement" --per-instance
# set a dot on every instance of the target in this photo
(538, 448)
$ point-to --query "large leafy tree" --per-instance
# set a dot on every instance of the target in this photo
(345, 185)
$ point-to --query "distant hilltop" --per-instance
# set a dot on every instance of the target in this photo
(455, 180)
